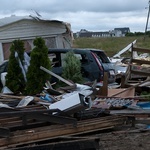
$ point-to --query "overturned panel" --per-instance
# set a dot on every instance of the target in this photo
(72, 103)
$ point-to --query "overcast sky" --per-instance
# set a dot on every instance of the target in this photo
(92, 15)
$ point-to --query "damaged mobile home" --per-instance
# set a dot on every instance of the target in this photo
(57, 34)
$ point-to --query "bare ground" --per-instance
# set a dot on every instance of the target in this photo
(125, 140)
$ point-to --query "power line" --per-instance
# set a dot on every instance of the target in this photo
(147, 19)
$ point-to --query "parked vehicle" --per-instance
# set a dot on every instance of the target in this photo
(94, 63)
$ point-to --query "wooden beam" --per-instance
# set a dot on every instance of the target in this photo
(138, 61)
(104, 89)
(136, 85)
(56, 76)
(143, 50)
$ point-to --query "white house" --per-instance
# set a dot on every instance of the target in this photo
(121, 32)
(57, 34)
(117, 32)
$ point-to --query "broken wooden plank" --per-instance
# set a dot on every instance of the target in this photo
(140, 62)
(56, 76)
(103, 91)
(11, 96)
(143, 50)
(136, 85)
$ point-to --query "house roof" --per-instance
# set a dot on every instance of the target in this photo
(13, 19)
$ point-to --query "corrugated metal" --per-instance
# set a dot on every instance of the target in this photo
(31, 28)
(12, 19)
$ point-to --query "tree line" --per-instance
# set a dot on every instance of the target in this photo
(138, 33)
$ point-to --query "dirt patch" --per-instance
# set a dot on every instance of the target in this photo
(125, 140)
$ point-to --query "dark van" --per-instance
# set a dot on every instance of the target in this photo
(94, 63)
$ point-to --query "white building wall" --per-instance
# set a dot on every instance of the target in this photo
(30, 28)
(118, 33)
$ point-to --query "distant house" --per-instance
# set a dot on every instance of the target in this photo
(121, 32)
(101, 34)
(57, 34)
(85, 33)
(117, 32)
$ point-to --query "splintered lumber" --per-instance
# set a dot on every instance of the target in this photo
(52, 131)
(104, 89)
(6, 97)
(11, 96)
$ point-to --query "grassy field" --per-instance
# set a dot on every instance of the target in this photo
(111, 45)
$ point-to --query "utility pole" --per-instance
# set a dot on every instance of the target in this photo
(147, 19)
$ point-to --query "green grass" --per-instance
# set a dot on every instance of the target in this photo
(111, 45)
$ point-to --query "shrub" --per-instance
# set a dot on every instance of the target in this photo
(36, 77)
(72, 68)
(14, 79)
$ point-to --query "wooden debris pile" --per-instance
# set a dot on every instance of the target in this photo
(56, 117)
(34, 124)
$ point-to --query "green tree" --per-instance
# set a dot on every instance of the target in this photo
(72, 68)
(36, 77)
(14, 79)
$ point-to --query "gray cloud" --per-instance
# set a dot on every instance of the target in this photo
(89, 14)
(74, 5)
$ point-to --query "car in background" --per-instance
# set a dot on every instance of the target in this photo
(94, 63)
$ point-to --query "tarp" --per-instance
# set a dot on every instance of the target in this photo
(24, 65)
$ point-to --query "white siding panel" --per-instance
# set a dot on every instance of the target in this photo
(30, 28)
(1, 53)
